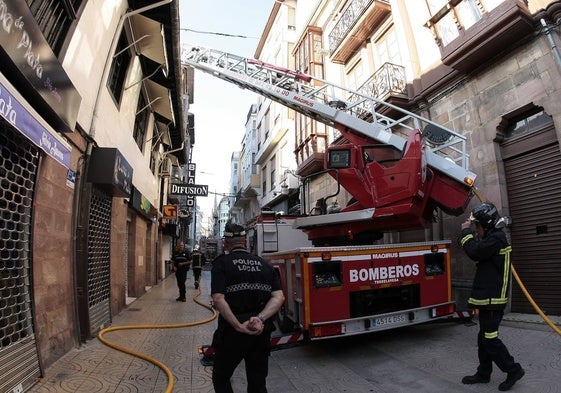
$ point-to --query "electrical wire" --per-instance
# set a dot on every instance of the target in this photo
(162, 366)
(216, 33)
(523, 287)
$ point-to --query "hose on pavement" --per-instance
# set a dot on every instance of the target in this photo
(162, 366)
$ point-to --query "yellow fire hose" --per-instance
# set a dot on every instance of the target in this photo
(524, 290)
(168, 372)
(162, 366)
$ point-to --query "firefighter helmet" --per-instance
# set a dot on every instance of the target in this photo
(485, 214)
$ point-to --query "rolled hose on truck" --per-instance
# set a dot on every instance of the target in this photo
(143, 356)
(523, 287)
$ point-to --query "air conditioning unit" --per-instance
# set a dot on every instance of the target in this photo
(165, 167)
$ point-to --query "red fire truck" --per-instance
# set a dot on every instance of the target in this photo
(399, 168)
(346, 290)
(333, 291)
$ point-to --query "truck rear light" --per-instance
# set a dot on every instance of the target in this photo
(326, 330)
(442, 311)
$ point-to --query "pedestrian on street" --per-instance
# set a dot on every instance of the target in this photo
(197, 265)
(485, 242)
(247, 292)
(181, 262)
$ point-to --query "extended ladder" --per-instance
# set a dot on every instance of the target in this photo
(329, 104)
(362, 120)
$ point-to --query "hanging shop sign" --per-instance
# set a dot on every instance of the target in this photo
(189, 189)
(34, 69)
(142, 205)
(109, 170)
(21, 119)
(169, 211)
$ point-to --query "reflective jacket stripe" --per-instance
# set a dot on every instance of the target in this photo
(506, 253)
(491, 335)
(503, 299)
(466, 238)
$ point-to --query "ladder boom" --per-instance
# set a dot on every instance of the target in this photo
(328, 103)
(398, 187)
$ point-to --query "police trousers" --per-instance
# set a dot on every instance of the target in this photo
(231, 347)
(490, 348)
(181, 277)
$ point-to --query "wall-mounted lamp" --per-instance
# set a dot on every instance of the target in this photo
(284, 188)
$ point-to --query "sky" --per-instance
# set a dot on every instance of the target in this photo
(220, 108)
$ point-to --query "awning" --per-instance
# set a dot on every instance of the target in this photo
(148, 36)
(160, 25)
(159, 99)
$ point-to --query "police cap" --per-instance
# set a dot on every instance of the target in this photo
(233, 230)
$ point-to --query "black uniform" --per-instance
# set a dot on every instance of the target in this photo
(490, 296)
(246, 281)
(181, 271)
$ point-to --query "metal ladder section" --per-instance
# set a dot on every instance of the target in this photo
(331, 104)
(270, 236)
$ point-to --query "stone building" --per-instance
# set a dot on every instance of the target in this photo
(486, 69)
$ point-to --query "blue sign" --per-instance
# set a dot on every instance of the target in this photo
(16, 114)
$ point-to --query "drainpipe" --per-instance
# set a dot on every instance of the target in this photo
(109, 59)
(554, 47)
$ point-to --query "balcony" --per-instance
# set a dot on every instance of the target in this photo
(355, 26)
(498, 29)
(386, 84)
(250, 190)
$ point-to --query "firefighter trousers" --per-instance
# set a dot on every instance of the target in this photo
(490, 348)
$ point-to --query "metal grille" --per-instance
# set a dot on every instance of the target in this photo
(19, 159)
(54, 18)
(99, 238)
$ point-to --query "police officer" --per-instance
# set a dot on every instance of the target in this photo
(246, 291)
(181, 263)
(484, 241)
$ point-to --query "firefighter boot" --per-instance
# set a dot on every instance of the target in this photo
(511, 380)
(475, 378)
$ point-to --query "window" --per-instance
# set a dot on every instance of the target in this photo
(119, 69)
(355, 76)
(527, 122)
(387, 49)
(449, 18)
(264, 180)
(140, 123)
(272, 165)
(54, 18)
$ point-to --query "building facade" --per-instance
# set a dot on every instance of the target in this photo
(487, 69)
(92, 100)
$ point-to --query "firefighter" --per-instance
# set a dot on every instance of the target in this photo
(197, 265)
(247, 292)
(484, 241)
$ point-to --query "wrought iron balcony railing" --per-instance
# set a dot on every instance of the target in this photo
(388, 79)
(348, 19)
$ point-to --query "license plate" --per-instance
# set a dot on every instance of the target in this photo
(390, 320)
